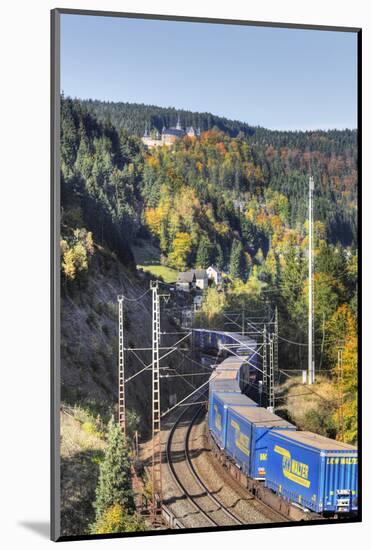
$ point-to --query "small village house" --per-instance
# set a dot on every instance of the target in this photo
(214, 274)
(193, 279)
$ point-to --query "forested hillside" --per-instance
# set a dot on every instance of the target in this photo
(235, 197)
(285, 158)
(133, 117)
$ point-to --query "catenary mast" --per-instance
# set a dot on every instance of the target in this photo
(311, 365)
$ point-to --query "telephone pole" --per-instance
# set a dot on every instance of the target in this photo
(156, 407)
(311, 365)
(121, 366)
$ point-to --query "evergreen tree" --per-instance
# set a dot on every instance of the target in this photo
(238, 265)
(219, 257)
(114, 485)
(203, 253)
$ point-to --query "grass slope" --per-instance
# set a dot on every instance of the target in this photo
(310, 408)
(82, 447)
(148, 258)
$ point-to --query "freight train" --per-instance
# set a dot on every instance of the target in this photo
(317, 474)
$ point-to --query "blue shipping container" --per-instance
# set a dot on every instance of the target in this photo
(246, 441)
(219, 402)
(319, 473)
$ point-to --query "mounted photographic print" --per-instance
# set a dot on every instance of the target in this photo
(205, 274)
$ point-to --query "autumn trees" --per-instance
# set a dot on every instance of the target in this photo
(191, 188)
(75, 252)
(343, 358)
(236, 197)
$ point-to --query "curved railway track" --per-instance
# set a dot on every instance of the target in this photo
(190, 483)
(277, 515)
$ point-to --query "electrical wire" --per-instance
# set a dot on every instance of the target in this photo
(306, 345)
(310, 389)
(126, 299)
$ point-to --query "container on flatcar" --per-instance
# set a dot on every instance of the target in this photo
(218, 405)
(216, 340)
(246, 437)
(226, 380)
(224, 385)
(230, 363)
(314, 471)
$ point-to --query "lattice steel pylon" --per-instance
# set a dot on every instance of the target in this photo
(265, 358)
(276, 345)
(121, 367)
(156, 408)
(271, 372)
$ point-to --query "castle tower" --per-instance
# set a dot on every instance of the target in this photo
(178, 126)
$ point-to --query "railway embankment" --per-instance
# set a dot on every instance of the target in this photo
(310, 408)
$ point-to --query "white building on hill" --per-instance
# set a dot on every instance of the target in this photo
(214, 274)
(192, 279)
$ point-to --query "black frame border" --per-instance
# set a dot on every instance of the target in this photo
(55, 264)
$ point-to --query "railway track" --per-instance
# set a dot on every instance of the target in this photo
(213, 511)
(270, 512)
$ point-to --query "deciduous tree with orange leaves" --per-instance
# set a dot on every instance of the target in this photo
(342, 330)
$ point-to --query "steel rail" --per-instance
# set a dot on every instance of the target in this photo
(175, 476)
(197, 476)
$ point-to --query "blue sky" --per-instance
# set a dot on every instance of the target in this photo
(276, 78)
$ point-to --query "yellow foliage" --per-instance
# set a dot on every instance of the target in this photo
(212, 306)
(80, 257)
(152, 161)
(75, 252)
(153, 220)
(209, 213)
(116, 520)
(186, 204)
(68, 264)
(343, 327)
(181, 247)
(222, 228)
(64, 246)
(252, 288)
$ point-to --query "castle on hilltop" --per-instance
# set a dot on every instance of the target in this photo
(168, 136)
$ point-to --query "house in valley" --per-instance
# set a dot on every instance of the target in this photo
(214, 274)
(193, 279)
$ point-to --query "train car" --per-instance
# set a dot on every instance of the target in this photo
(219, 403)
(247, 429)
(230, 363)
(233, 342)
(314, 471)
(242, 349)
(224, 380)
